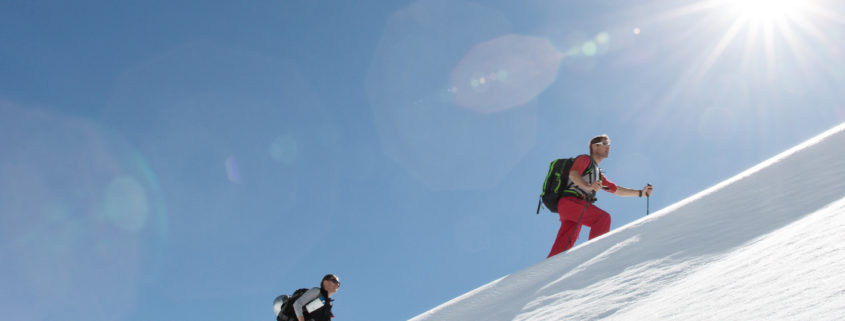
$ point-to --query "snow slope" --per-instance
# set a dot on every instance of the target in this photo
(767, 244)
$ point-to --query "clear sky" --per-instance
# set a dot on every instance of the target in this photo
(192, 160)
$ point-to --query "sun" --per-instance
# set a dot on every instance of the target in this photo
(770, 33)
(755, 48)
(768, 10)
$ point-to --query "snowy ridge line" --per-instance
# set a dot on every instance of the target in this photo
(756, 168)
(633, 267)
(461, 297)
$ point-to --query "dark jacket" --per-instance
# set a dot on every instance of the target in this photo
(316, 297)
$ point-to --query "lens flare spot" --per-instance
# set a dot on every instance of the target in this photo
(502, 75)
(83, 213)
(602, 38)
(636, 31)
(445, 95)
(496, 121)
(284, 149)
(232, 171)
(126, 204)
(505, 72)
(589, 48)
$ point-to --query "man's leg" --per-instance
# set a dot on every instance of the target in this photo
(598, 220)
(571, 210)
(563, 242)
(569, 229)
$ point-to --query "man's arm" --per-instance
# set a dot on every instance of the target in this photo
(624, 191)
(576, 178)
(306, 297)
(578, 167)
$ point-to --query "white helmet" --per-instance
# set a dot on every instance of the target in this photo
(277, 303)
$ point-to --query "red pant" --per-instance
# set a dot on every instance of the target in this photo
(570, 209)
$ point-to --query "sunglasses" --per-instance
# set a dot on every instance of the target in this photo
(335, 281)
(603, 144)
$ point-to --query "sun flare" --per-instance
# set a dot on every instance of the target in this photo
(763, 43)
(767, 10)
(773, 32)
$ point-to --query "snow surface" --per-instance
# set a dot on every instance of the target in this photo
(767, 244)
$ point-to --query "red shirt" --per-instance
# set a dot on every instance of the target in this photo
(580, 165)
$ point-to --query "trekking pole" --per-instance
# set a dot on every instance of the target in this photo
(571, 234)
(647, 197)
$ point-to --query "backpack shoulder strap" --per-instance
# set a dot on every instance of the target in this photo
(589, 166)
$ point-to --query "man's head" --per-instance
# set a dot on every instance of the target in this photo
(600, 146)
(330, 283)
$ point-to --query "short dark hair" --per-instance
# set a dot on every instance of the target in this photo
(330, 277)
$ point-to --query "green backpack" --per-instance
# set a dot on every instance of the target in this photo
(556, 182)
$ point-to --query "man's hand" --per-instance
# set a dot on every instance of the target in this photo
(595, 186)
(647, 190)
(576, 178)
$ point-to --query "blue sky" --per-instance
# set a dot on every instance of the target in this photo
(193, 160)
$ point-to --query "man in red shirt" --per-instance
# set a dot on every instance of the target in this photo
(575, 207)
